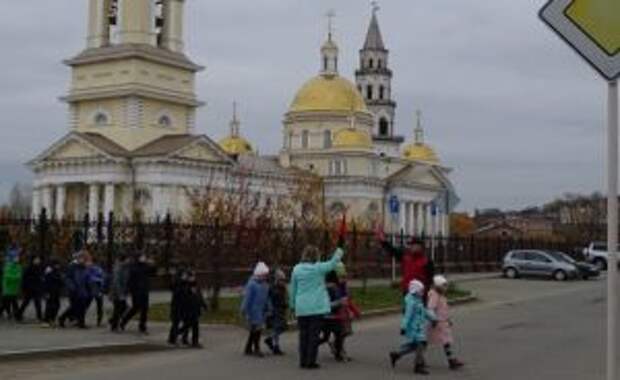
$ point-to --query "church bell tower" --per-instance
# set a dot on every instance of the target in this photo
(133, 84)
(374, 81)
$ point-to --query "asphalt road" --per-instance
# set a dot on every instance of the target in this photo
(519, 330)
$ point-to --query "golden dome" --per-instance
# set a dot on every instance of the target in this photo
(421, 152)
(328, 93)
(352, 138)
(235, 145)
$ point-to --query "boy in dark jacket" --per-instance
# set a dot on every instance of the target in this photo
(54, 284)
(194, 305)
(32, 288)
(76, 282)
(278, 295)
(180, 291)
(119, 291)
(139, 286)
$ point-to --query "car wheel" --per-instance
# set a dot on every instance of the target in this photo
(511, 273)
(560, 275)
(601, 264)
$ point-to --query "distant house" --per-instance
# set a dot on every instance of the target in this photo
(498, 230)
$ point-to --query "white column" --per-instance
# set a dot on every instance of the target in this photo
(156, 201)
(47, 199)
(411, 218)
(137, 22)
(61, 196)
(36, 203)
(108, 200)
(172, 38)
(403, 216)
(98, 23)
(428, 219)
(93, 201)
(420, 222)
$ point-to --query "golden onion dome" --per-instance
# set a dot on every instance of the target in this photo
(352, 138)
(328, 93)
(420, 152)
(235, 145)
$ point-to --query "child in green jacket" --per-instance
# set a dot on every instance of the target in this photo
(11, 282)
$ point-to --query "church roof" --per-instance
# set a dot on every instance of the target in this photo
(374, 40)
(104, 144)
(165, 145)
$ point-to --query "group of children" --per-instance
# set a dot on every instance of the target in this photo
(265, 307)
(186, 308)
(426, 324)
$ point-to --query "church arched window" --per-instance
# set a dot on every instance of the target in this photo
(380, 64)
(371, 63)
(384, 127)
(381, 92)
(369, 92)
(101, 119)
(327, 139)
(164, 121)
(305, 136)
(325, 63)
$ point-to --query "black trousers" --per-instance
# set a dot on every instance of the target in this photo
(76, 311)
(99, 304)
(119, 309)
(175, 329)
(334, 327)
(309, 339)
(52, 306)
(139, 305)
(192, 325)
(9, 304)
(31, 297)
(252, 345)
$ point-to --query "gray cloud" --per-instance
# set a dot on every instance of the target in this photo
(516, 114)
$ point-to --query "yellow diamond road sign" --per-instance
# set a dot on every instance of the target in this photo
(591, 27)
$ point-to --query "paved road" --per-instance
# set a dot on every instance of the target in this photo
(521, 329)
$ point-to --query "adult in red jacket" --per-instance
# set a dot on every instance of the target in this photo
(415, 265)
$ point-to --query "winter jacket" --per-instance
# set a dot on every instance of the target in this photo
(180, 298)
(11, 279)
(118, 285)
(139, 283)
(32, 280)
(415, 321)
(308, 294)
(76, 281)
(278, 295)
(54, 282)
(256, 304)
(194, 305)
(414, 266)
(96, 280)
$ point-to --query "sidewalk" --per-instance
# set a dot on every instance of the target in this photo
(31, 341)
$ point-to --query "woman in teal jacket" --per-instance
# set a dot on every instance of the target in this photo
(310, 301)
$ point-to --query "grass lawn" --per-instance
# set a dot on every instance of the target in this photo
(374, 298)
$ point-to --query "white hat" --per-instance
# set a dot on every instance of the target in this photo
(261, 269)
(440, 281)
(416, 287)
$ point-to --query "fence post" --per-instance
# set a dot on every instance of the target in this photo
(110, 245)
(43, 228)
(85, 232)
(100, 223)
(168, 245)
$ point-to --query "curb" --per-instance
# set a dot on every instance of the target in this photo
(81, 351)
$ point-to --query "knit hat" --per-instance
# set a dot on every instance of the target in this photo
(280, 275)
(261, 269)
(440, 281)
(416, 287)
(341, 270)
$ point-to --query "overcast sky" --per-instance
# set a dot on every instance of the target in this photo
(506, 104)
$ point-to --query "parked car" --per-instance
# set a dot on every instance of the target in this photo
(596, 253)
(586, 270)
(537, 263)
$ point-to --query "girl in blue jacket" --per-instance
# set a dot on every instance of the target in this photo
(414, 327)
(255, 308)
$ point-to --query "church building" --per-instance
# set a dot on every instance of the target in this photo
(131, 145)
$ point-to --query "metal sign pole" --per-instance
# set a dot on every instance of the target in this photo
(612, 227)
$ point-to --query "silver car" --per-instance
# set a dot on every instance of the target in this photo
(529, 262)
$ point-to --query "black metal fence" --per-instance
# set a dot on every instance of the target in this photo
(224, 254)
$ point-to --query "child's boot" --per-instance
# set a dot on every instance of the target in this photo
(394, 357)
(455, 364)
(421, 369)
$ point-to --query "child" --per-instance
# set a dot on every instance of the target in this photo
(54, 283)
(194, 305)
(255, 308)
(11, 282)
(350, 311)
(180, 290)
(333, 322)
(32, 288)
(278, 297)
(414, 326)
(441, 331)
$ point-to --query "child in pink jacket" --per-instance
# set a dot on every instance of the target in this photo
(440, 332)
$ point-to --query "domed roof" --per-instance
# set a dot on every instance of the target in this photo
(235, 145)
(421, 152)
(352, 138)
(328, 93)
